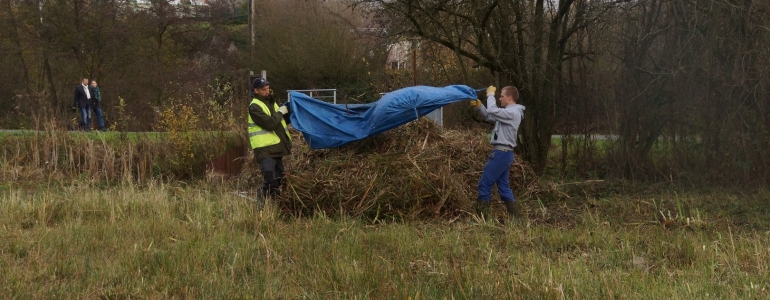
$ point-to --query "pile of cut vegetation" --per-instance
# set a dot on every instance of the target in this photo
(415, 171)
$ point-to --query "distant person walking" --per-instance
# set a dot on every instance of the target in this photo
(82, 101)
(507, 118)
(96, 100)
(269, 137)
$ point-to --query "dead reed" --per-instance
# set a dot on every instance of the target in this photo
(412, 172)
(415, 171)
(53, 155)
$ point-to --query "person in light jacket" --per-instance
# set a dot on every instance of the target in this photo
(507, 118)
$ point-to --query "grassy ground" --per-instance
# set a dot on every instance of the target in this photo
(179, 241)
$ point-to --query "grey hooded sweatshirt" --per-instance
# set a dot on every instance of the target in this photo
(507, 121)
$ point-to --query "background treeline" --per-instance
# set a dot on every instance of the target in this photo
(644, 90)
(151, 52)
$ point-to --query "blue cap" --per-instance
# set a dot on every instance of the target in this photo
(259, 83)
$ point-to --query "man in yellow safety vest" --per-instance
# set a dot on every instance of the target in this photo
(268, 137)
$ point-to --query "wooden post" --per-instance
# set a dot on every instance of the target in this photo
(414, 63)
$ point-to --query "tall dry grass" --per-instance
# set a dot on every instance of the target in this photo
(412, 172)
(176, 240)
(383, 218)
(51, 155)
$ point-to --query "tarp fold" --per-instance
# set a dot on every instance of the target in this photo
(328, 125)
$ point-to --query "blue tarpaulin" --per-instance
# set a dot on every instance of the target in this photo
(327, 125)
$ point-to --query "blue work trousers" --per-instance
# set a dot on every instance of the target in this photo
(496, 172)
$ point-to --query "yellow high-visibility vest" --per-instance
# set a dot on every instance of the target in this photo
(259, 137)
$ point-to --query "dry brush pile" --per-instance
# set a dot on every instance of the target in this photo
(414, 171)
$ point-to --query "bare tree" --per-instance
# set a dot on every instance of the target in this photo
(691, 85)
(525, 43)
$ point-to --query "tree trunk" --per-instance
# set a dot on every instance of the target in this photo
(51, 85)
(19, 48)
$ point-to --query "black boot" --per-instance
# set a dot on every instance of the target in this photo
(484, 209)
(513, 209)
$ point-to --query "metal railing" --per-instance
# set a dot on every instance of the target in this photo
(320, 94)
(436, 115)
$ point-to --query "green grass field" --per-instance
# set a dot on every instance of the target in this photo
(108, 216)
(204, 241)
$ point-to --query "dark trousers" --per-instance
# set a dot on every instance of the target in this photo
(272, 176)
(99, 118)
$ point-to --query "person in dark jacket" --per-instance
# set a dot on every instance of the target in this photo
(268, 136)
(82, 101)
(96, 100)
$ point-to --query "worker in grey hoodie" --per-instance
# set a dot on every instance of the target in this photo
(507, 118)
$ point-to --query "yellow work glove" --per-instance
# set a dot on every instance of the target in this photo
(475, 103)
(491, 90)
